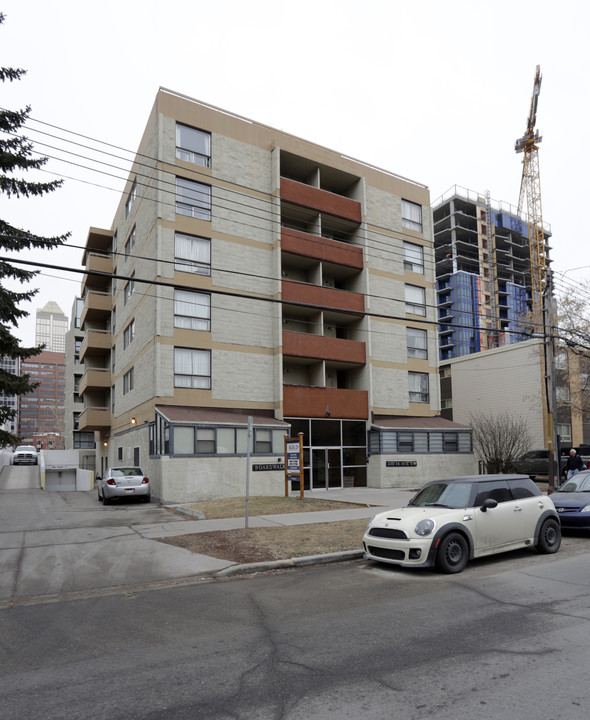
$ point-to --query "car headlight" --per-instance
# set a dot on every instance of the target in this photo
(586, 509)
(424, 527)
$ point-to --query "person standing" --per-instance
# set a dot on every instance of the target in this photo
(573, 464)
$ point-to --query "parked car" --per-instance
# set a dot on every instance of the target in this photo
(25, 455)
(572, 502)
(123, 482)
(535, 463)
(450, 522)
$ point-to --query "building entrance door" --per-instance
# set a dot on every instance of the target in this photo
(326, 468)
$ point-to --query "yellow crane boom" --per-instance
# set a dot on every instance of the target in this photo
(530, 187)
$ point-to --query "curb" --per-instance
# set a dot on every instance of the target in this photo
(289, 563)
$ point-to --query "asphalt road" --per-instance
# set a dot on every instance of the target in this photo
(508, 638)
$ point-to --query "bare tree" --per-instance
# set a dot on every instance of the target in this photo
(499, 440)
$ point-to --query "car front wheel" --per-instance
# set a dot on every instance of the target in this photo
(452, 554)
(549, 537)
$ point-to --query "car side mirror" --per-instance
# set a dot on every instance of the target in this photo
(489, 504)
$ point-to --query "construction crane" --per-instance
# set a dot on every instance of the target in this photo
(531, 187)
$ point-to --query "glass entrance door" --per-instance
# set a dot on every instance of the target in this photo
(326, 468)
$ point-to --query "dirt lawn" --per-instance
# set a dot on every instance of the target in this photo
(272, 543)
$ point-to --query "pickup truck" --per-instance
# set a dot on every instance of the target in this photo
(25, 455)
(535, 463)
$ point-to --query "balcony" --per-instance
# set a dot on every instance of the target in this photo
(94, 418)
(95, 343)
(319, 248)
(323, 297)
(94, 379)
(320, 200)
(96, 263)
(318, 347)
(97, 306)
(305, 401)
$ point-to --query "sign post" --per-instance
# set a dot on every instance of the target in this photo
(250, 422)
(294, 462)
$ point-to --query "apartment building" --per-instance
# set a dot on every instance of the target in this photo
(252, 279)
(12, 366)
(483, 273)
(75, 439)
(41, 411)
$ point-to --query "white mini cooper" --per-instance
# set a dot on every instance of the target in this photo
(452, 521)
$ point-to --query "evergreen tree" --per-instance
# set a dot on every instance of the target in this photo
(16, 156)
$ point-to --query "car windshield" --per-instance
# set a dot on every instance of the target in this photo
(579, 483)
(443, 494)
(25, 448)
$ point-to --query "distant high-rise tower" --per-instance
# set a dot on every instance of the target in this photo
(50, 328)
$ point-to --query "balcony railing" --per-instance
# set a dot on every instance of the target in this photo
(305, 401)
(318, 347)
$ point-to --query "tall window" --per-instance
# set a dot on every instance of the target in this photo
(418, 386)
(415, 300)
(193, 145)
(193, 199)
(411, 215)
(129, 289)
(417, 343)
(192, 254)
(129, 245)
(129, 334)
(192, 368)
(413, 258)
(192, 310)
(131, 198)
(128, 382)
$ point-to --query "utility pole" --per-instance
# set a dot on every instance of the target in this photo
(550, 391)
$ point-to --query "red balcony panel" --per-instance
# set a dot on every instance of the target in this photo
(320, 200)
(305, 345)
(323, 297)
(319, 248)
(305, 401)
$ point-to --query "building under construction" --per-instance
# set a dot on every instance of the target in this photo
(483, 273)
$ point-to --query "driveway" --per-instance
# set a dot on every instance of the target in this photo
(64, 544)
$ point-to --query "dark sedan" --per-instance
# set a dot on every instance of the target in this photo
(572, 502)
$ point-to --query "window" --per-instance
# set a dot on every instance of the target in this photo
(130, 244)
(192, 310)
(418, 386)
(205, 441)
(128, 382)
(129, 289)
(562, 394)
(192, 368)
(415, 300)
(192, 254)
(413, 258)
(564, 430)
(119, 453)
(411, 215)
(451, 442)
(184, 440)
(193, 145)
(405, 442)
(83, 440)
(262, 441)
(131, 198)
(193, 199)
(128, 334)
(417, 343)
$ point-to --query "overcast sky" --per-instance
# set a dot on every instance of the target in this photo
(435, 91)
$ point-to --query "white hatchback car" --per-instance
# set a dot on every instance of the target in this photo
(123, 482)
(452, 521)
